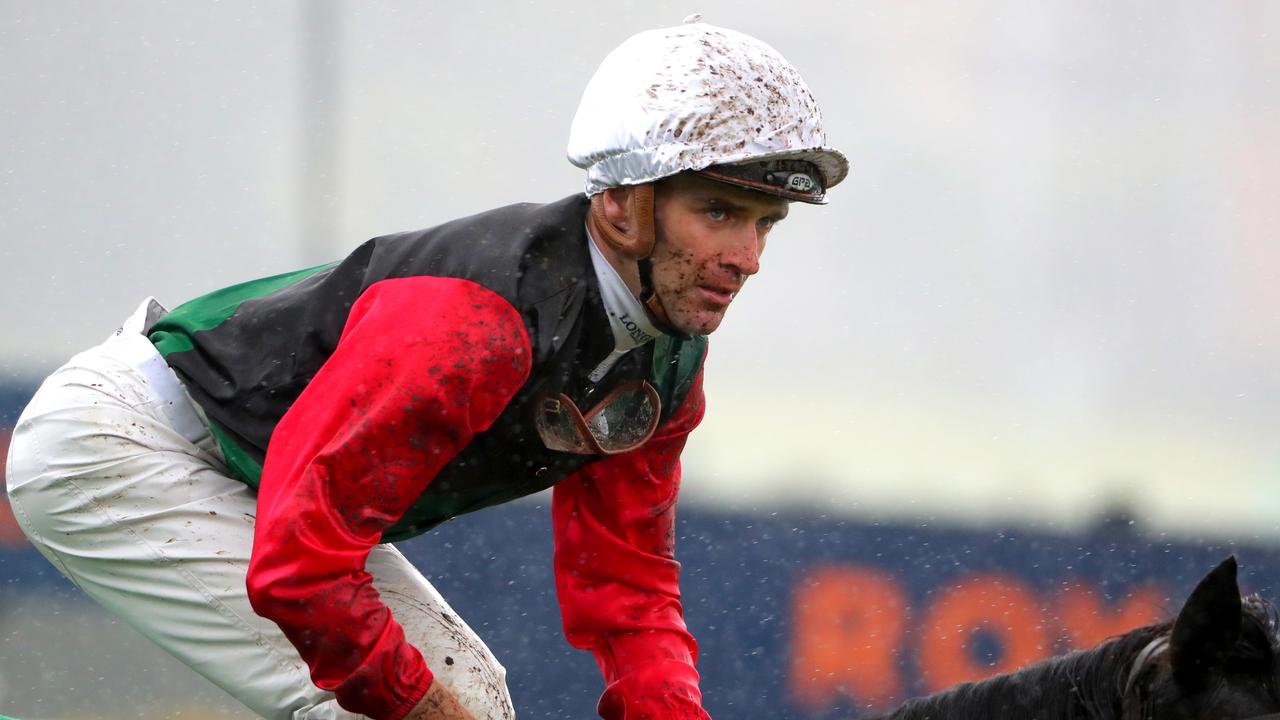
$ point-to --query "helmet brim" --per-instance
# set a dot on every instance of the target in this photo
(788, 175)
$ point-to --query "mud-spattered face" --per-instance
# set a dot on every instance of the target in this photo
(709, 239)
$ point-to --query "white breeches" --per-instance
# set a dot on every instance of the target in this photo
(115, 478)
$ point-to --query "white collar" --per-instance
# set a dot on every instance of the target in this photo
(630, 324)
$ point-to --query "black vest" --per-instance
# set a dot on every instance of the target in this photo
(246, 352)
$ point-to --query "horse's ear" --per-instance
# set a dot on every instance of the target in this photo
(1207, 628)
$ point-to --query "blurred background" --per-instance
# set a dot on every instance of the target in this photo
(1033, 340)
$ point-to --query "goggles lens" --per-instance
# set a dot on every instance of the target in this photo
(622, 421)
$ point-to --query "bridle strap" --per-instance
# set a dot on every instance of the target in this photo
(1153, 648)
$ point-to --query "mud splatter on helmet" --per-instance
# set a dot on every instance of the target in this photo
(703, 98)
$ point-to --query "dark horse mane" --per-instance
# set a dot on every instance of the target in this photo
(1133, 676)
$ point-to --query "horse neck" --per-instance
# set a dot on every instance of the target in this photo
(1083, 685)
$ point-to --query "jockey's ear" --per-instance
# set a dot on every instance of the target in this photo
(1207, 628)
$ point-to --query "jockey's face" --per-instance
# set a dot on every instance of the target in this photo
(709, 237)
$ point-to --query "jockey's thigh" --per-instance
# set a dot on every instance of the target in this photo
(116, 479)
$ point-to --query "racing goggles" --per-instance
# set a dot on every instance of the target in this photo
(622, 421)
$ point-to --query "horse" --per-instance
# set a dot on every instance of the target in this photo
(1219, 659)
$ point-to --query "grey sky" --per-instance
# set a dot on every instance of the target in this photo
(1049, 284)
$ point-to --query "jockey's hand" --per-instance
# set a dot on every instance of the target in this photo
(439, 704)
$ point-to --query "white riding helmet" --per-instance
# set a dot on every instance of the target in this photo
(700, 97)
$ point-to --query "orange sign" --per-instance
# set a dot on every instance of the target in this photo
(854, 630)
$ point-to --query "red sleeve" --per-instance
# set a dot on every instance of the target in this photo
(617, 579)
(422, 365)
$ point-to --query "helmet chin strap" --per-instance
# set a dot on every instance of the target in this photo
(635, 245)
(638, 242)
(652, 303)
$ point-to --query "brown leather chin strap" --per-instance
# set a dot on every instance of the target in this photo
(635, 245)
(658, 313)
